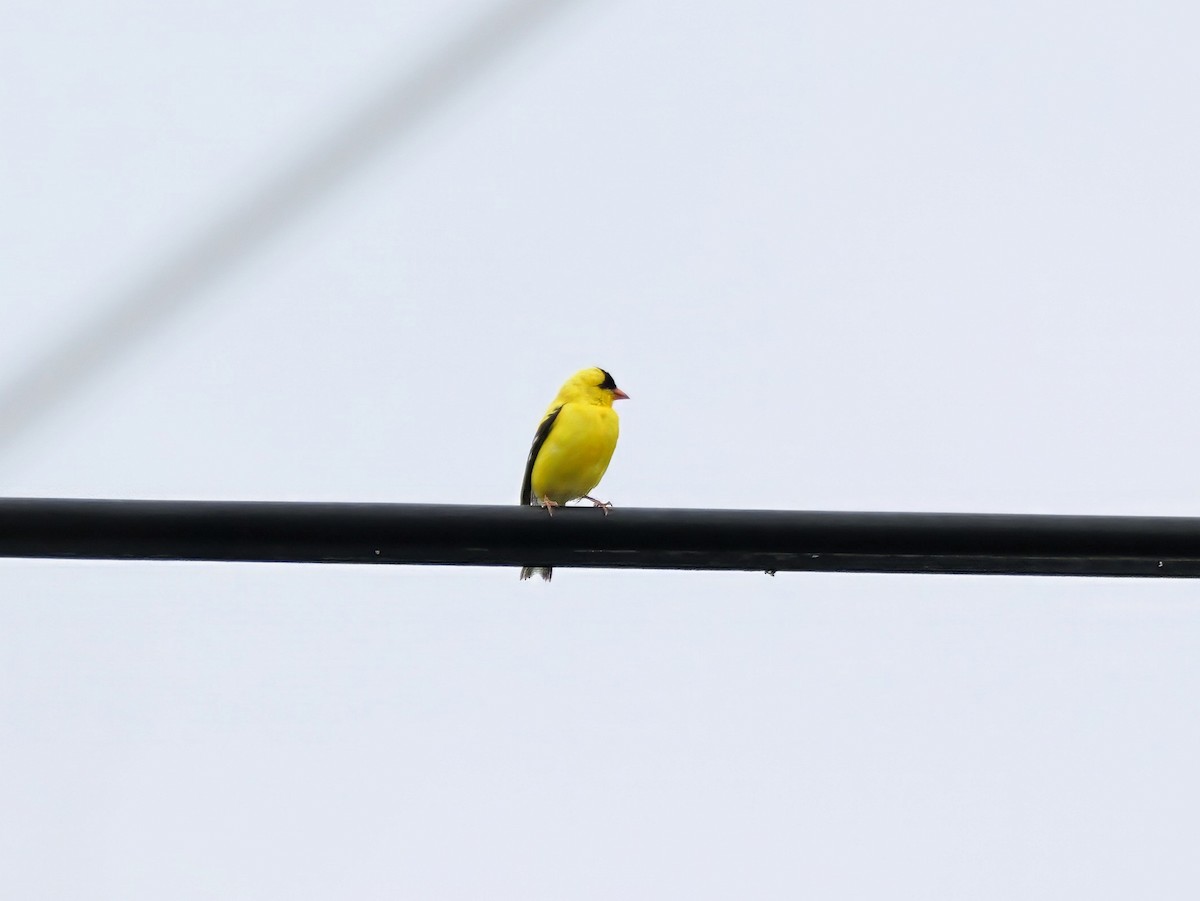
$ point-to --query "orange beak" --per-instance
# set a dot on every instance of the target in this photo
(618, 394)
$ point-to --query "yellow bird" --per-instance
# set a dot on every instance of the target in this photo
(572, 446)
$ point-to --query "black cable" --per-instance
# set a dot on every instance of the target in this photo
(635, 538)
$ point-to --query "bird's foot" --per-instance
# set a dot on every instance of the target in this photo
(549, 505)
(603, 505)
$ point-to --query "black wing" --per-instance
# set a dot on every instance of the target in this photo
(539, 439)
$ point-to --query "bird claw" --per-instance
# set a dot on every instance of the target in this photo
(603, 505)
(549, 505)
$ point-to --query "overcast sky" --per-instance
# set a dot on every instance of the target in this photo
(853, 256)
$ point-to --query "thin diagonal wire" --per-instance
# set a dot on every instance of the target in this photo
(135, 313)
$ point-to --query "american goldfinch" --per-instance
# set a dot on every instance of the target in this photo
(572, 446)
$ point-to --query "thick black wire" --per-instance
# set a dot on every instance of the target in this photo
(763, 540)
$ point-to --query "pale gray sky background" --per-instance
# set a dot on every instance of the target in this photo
(866, 256)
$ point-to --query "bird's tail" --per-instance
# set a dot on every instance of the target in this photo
(529, 571)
